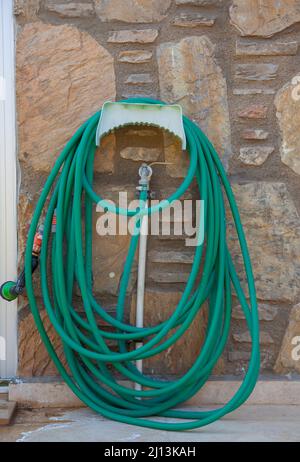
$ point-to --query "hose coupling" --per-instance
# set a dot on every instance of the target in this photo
(10, 290)
(145, 173)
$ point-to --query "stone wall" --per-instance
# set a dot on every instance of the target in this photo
(234, 67)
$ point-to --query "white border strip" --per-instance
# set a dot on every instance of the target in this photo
(8, 187)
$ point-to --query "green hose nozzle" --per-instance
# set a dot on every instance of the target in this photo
(7, 291)
(10, 290)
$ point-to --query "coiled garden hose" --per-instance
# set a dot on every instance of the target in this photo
(67, 255)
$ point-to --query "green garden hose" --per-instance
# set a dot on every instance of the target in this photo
(66, 259)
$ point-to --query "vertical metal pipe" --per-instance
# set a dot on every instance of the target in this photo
(145, 174)
(141, 284)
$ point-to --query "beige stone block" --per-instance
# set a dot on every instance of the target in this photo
(272, 228)
(189, 75)
(263, 19)
(135, 11)
(63, 77)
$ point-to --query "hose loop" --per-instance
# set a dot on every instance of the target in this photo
(66, 259)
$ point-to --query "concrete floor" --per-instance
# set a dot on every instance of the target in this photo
(249, 423)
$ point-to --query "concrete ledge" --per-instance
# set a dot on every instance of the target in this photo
(58, 394)
(277, 392)
(43, 394)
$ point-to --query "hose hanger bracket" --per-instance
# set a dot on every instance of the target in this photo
(120, 114)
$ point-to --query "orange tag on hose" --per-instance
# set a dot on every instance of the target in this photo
(37, 242)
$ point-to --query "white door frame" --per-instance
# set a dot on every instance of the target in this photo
(8, 189)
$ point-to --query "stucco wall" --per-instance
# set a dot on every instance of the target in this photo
(233, 66)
